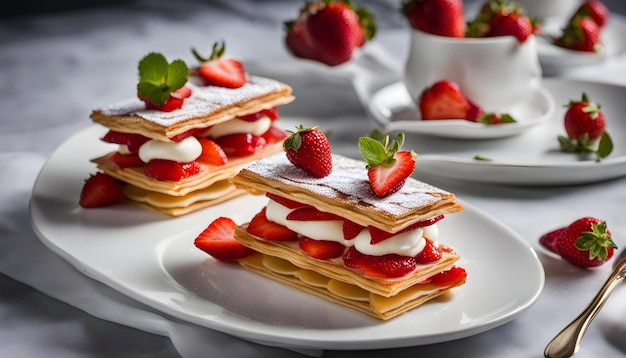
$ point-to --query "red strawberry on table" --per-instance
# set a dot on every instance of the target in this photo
(100, 190)
(218, 240)
(586, 129)
(387, 166)
(329, 31)
(444, 100)
(161, 84)
(219, 70)
(580, 34)
(586, 242)
(595, 10)
(309, 150)
(437, 17)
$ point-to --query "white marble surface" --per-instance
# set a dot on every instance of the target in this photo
(55, 68)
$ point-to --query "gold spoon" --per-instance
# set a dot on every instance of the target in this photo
(567, 342)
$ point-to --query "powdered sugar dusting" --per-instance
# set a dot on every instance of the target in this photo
(349, 182)
(204, 100)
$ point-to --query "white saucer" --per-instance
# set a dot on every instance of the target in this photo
(532, 158)
(393, 110)
(554, 57)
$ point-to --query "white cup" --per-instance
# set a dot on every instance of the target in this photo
(494, 72)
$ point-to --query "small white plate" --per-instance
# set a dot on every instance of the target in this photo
(393, 110)
(153, 260)
(553, 57)
(532, 158)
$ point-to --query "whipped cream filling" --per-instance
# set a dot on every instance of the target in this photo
(237, 125)
(408, 243)
(184, 151)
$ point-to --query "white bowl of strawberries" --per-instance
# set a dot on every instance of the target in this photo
(493, 59)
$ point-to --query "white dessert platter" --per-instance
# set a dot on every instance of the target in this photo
(554, 57)
(152, 259)
(531, 158)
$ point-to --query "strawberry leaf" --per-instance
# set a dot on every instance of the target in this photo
(158, 78)
(596, 241)
(372, 151)
(605, 147)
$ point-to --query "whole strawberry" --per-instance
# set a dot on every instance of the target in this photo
(586, 129)
(595, 10)
(437, 17)
(329, 31)
(514, 24)
(387, 167)
(500, 18)
(309, 150)
(586, 242)
(580, 34)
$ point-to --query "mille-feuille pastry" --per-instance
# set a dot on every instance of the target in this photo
(176, 156)
(333, 237)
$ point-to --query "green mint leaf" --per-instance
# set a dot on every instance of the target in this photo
(481, 158)
(158, 78)
(372, 151)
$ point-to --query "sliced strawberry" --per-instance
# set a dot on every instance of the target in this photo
(240, 144)
(218, 240)
(321, 249)
(220, 71)
(190, 133)
(100, 190)
(387, 179)
(377, 235)
(212, 153)
(174, 102)
(271, 113)
(169, 170)
(274, 135)
(261, 227)
(288, 203)
(312, 214)
(429, 254)
(131, 140)
(351, 229)
(126, 160)
(453, 276)
(549, 239)
(443, 100)
(385, 266)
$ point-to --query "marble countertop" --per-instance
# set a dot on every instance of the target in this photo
(56, 67)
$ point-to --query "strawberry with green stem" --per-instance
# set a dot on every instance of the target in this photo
(387, 166)
(585, 242)
(309, 150)
(580, 34)
(586, 129)
(218, 69)
(161, 84)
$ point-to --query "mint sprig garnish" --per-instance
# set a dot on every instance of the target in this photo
(158, 78)
(376, 152)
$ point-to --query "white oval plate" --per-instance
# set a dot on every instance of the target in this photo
(153, 260)
(533, 158)
(554, 57)
(393, 110)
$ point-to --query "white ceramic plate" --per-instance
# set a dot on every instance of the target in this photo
(531, 158)
(393, 110)
(152, 259)
(554, 57)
